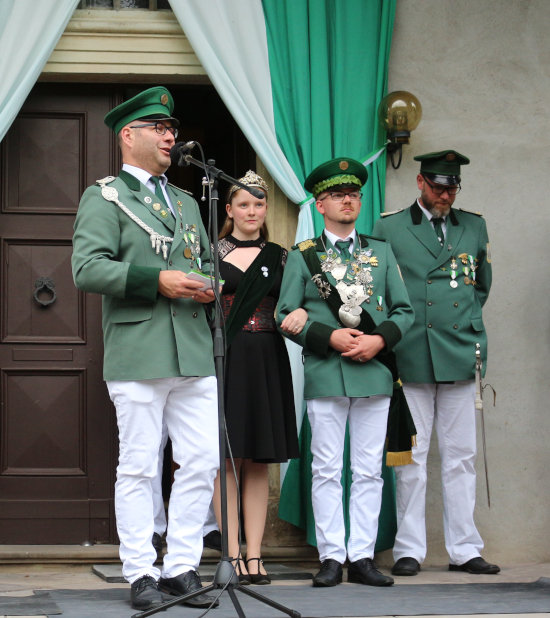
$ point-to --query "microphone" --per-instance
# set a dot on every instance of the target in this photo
(257, 193)
(180, 149)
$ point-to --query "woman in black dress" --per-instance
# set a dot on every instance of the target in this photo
(259, 400)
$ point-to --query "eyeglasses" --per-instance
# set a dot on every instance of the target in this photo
(440, 189)
(160, 128)
(339, 196)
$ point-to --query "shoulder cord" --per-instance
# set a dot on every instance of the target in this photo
(158, 241)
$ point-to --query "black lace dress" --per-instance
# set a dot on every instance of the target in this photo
(259, 401)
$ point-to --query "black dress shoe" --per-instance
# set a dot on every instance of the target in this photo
(406, 566)
(145, 593)
(257, 578)
(184, 584)
(477, 566)
(156, 541)
(364, 571)
(330, 574)
(213, 540)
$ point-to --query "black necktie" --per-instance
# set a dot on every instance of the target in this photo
(343, 248)
(437, 223)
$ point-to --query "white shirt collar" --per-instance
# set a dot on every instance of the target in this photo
(333, 238)
(143, 176)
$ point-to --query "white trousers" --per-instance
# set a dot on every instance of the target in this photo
(367, 417)
(452, 408)
(158, 500)
(159, 512)
(188, 406)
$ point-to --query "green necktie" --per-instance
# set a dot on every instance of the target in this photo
(343, 248)
(158, 190)
(437, 223)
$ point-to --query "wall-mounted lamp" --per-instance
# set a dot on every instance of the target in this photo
(399, 113)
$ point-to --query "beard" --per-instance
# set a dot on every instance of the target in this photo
(437, 208)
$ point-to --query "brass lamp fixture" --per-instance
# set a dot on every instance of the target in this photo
(399, 113)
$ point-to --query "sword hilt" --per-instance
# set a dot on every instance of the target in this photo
(479, 389)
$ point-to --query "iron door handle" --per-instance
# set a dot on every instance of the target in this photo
(44, 285)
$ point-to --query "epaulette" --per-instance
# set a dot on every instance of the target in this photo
(105, 181)
(305, 244)
(180, 189)
(391, 212)
(471, 212)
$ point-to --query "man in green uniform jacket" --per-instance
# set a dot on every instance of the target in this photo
(444, 257)
(344, 281)
(135, 241)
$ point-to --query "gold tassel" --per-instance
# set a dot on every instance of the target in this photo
(401, 458)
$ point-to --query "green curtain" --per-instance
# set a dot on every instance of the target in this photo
(328, 61)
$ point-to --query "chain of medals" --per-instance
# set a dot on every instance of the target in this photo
(192, 249)
(469, 268)
(191, 237)
(355, 281)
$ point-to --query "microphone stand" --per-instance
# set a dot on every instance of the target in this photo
(225, 577)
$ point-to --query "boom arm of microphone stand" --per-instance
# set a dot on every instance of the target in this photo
(187, 159)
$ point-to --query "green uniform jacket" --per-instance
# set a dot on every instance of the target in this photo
(326, 372)
(146, 335)
(440, 346)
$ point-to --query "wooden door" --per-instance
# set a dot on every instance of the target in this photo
(57, 427)
(58, 440)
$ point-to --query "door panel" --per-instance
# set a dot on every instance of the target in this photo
(58, 436)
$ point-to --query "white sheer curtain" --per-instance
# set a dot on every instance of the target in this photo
(229, 39)
(29, 31)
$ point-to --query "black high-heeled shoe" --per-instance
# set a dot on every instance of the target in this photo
(244, 578)
(258, 578)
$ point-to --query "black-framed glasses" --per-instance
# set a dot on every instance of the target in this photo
(340, 196)
(160, 128)
(440, 189)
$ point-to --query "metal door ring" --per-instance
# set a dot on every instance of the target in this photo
(44, 285)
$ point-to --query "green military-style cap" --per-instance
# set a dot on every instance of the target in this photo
(442, 167)
(151, 104)
(339, 172)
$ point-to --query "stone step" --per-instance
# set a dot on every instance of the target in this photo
(108, 554)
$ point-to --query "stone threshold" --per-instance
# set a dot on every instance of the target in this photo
(112, 573)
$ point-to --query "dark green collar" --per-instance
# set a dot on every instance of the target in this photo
(132, 182)
(417, 215)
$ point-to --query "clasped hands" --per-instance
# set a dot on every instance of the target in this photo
(355, 344)
(176, 284)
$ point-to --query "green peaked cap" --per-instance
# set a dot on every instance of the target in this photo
(152, 104)
(443, 167)
(334, 173)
